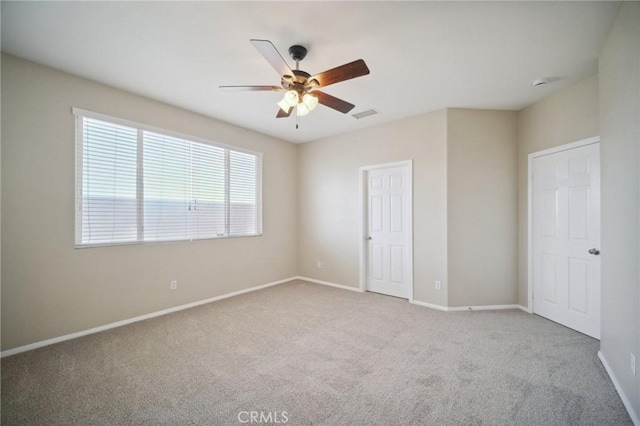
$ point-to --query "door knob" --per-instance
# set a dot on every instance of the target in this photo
(594, 251)
(369, 238)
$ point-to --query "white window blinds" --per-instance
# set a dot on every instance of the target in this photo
(140, 185)
(109, 183)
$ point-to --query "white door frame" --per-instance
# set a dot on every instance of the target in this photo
(363, 221)
(572, 145)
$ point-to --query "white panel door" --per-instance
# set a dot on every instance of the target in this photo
(389, 269)
(566, 238)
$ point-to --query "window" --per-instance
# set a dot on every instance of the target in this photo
(136, 184)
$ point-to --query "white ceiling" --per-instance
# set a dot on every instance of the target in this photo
(423, 56)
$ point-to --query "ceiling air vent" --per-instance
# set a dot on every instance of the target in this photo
(364, 114)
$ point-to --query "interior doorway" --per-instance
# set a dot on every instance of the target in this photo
(387, 243)
(564, 235)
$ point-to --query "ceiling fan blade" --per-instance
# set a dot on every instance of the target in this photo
(344, 72)
(333, 102)
(271, 54)
(284, 114)
(251, 88)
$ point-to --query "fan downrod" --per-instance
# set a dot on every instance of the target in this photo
(297, 52)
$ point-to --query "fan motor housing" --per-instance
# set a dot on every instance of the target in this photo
(301, 74)
(299, 79)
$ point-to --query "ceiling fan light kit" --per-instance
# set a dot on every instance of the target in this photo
(300, 87)
(291, 98)
(310, 101)
(302, 110)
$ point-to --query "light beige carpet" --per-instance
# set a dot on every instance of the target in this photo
(316, 355)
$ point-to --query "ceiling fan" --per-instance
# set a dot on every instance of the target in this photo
(301, 87)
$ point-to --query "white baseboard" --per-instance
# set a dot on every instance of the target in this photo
(75, 335)
(467, 308)
(327, 283)
(419, 303)
(482, 308)
(66, 337)
(429, 305)
(525, 309)
(627, 404)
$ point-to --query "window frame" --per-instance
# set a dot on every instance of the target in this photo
(80, 114)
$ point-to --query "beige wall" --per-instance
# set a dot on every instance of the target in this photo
(564, 117)
(329, 200)
(464, 165)
(619, 71)
(482, 207)
(49, 288)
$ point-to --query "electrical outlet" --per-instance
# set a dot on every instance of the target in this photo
(633, 364)
(320, 264)
(438, 285)
(174, 285)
